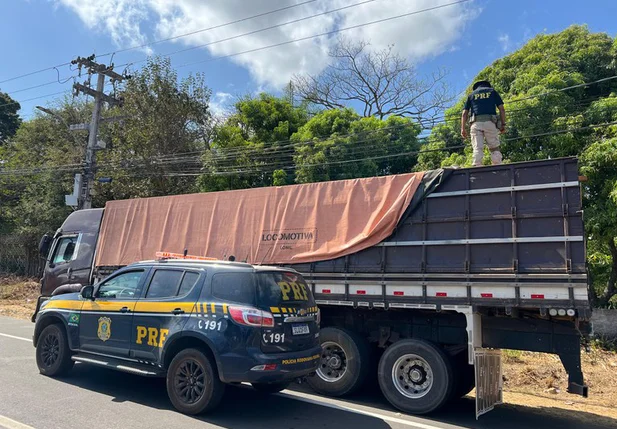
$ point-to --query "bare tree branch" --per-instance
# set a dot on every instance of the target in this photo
(382, 82)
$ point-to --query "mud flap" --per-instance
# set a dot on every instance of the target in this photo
(489, 381)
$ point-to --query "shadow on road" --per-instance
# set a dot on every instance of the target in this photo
(244, 408)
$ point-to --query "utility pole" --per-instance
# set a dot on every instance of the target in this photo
(102, 71)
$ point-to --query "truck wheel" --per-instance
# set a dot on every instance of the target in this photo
(269, 388)
(344, 363)
(465, 379)
(415, 376)
(193, 386)
(53, 355)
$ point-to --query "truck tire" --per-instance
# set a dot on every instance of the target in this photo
(193, 386)
(465, 376)
(415, 376)
(269, 388)
(344, 363)
(53, 355)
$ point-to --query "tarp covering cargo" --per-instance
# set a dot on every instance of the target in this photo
(277, 225)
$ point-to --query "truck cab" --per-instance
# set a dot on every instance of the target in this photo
(70, 251)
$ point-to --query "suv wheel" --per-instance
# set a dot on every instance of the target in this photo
(53, 356)
(270, 387)
(193, 385)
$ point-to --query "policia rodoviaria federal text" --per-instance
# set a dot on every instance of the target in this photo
(485, 124)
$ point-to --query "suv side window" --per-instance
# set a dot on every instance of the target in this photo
(188, 281)
(64, 250)
(238, 287)
(124, 285)
(171, 283)
(164, 284)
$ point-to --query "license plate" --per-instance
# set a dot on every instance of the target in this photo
(300, 329)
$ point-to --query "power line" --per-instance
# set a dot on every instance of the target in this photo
(328, 33)
(162, 40)
(260, 30)
(144, 45)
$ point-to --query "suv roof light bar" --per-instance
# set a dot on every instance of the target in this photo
(170, 255)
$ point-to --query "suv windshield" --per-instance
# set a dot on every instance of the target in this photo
(282, 288)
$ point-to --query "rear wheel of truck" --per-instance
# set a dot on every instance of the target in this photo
(269, 388)
(53, 355)
(193, 384)
(465, 376)
(344, 363)
(415, 376)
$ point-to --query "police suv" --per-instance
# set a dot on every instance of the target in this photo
(199, 324)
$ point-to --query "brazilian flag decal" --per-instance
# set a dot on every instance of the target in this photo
(74, 319)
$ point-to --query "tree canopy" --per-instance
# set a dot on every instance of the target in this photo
(9, 119)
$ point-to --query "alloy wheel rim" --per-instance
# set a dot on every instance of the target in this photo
(50, 350)
(190, 381)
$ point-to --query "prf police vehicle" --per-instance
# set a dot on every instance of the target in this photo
(198, 323)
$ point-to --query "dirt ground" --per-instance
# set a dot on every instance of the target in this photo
(535, 380)
(18, 296)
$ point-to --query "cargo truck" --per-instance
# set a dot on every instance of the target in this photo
(421, 278)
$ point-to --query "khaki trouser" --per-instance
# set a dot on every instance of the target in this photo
(485, 130)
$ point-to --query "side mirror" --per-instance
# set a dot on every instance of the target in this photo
(87, 292)
(44, 245)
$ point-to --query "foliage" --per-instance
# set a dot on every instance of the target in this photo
(252, 143)
(9, 119)
(33, 202)
(599, 163)
(166, 123)
(337, 143)
(382, 83)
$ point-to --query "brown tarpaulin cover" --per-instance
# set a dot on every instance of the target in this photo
(277, 225)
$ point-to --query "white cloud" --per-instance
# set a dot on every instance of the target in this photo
(417, 36)
(504, 40)
(220, 103)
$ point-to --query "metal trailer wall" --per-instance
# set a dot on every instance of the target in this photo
(508, 235)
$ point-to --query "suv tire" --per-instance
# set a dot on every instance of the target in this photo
(53, 355)
(193, 385)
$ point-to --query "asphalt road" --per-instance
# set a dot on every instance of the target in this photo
(91, 397)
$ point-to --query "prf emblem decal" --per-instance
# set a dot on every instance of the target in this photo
(104, 331)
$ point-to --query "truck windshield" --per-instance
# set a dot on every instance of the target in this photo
(283, 288)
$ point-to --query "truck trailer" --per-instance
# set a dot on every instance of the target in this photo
(421, 278)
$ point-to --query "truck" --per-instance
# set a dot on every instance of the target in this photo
(421, 278)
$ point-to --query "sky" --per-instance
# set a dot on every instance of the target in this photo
(461, 38)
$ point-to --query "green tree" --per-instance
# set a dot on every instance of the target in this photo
(9, 119)
(156, 150)
(339, 144)
(39, 162)
(252, 143)
(599, 163)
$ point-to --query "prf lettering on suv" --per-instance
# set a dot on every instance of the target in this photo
(200, 324)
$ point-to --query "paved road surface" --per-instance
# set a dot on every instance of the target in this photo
(93, 398)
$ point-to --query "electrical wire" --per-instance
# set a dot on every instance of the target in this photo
(260, 30)
(145, 45)
(161, 40)
(327, 33)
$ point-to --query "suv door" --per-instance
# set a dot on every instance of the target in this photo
(164, 310)
(106, 322)
(58, 270)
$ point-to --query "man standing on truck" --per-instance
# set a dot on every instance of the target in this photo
(485, 124)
